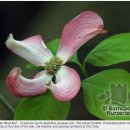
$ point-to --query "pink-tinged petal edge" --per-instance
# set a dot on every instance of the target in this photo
(78, 31)
(23, 87)
(31, 49)
(67, 84)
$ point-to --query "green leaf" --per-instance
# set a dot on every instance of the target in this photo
(44, 107)
(117, 83)
(129, 97)
(74, 59)
(54, 45)
(112, 50)
(31, 66)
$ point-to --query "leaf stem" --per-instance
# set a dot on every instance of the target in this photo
(83, 67)
(5, 103)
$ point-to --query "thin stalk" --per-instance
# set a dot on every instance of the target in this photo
(5, 103)
(83, 67)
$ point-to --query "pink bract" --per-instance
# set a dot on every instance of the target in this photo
(78, 31)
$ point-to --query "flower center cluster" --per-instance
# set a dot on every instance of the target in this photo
(53, 65)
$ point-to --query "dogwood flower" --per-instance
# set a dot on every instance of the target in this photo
(77, 32)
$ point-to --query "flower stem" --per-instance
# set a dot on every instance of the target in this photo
(5, 103)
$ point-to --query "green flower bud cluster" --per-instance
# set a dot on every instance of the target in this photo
(53, 65)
